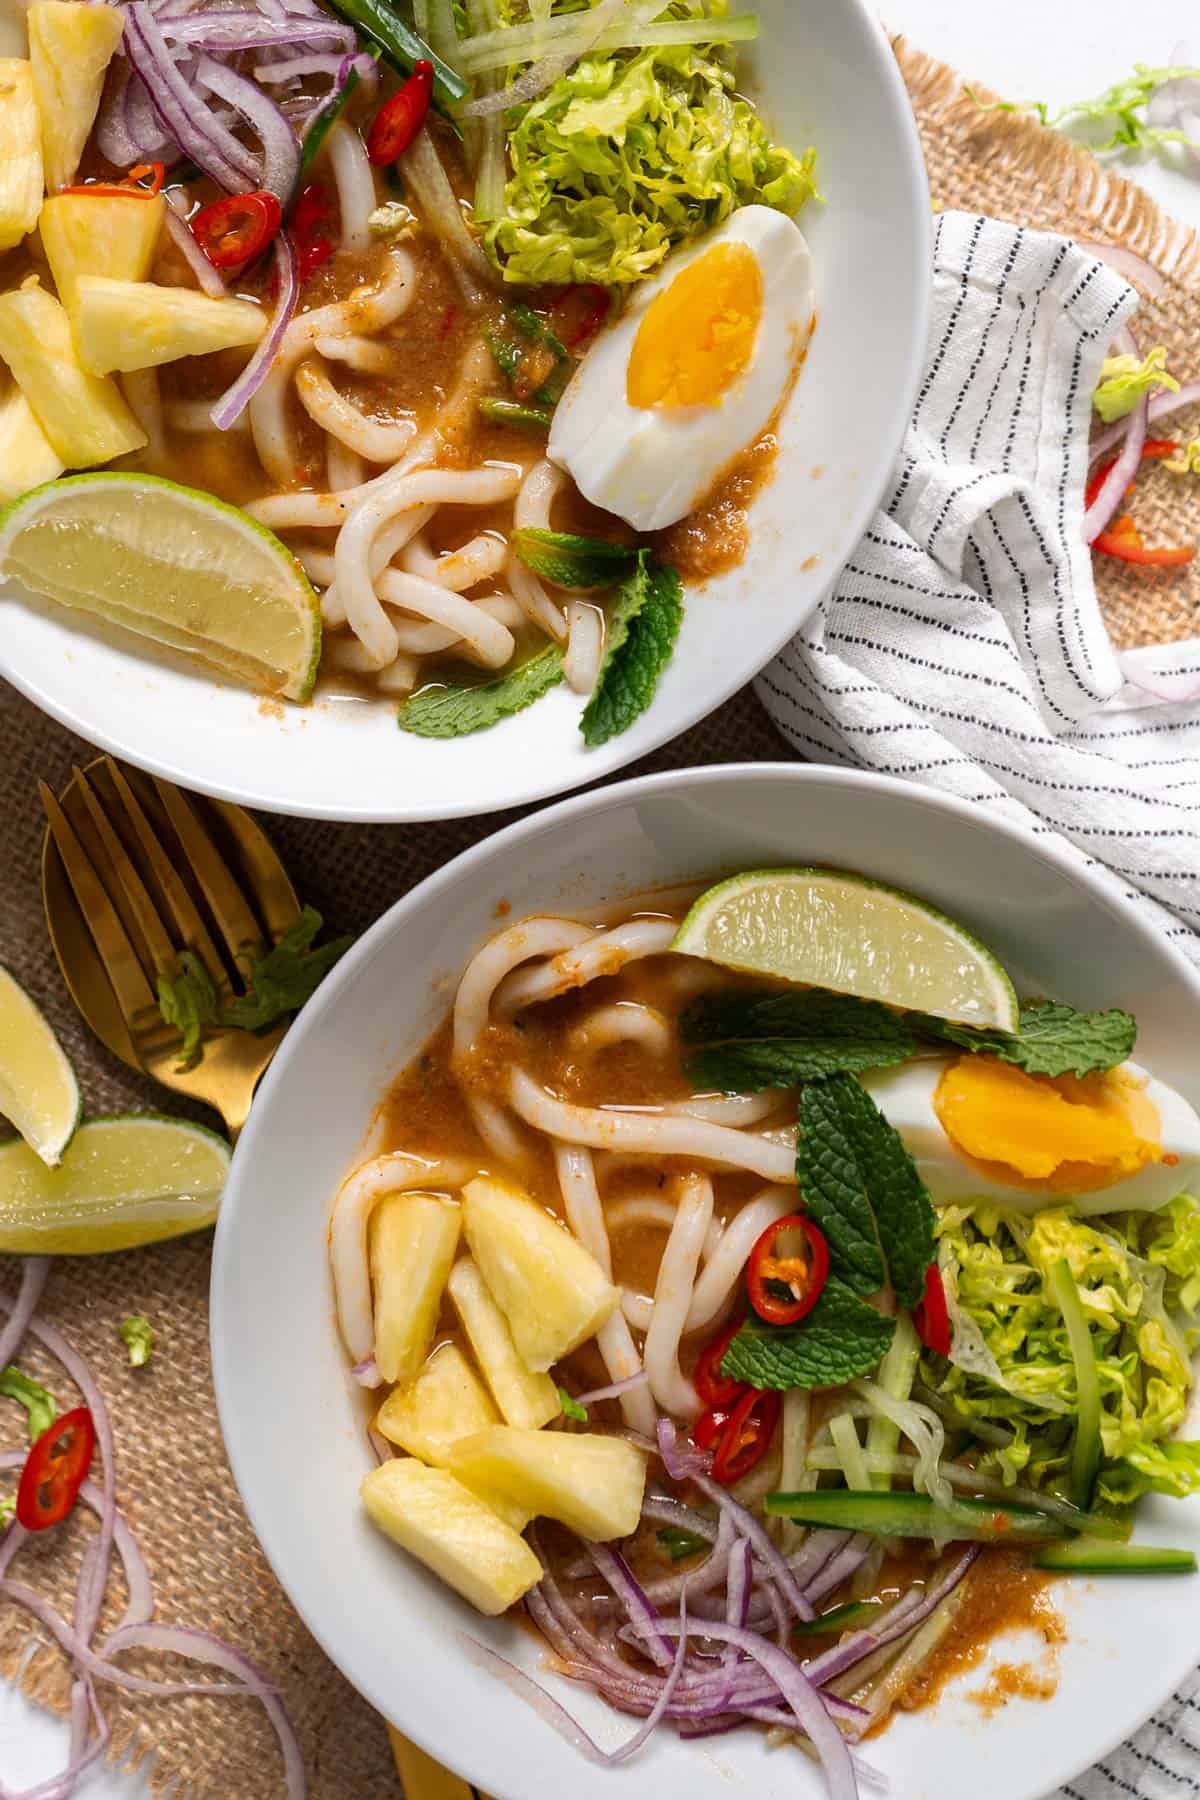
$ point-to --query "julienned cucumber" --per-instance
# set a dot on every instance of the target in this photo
(917, 1516)
(841, 1618)
(1087, 1556)
(1085, 1447)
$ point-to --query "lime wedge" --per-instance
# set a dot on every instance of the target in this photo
(121, 1183)
(832, 930)
(38, 1090)
(173, 565)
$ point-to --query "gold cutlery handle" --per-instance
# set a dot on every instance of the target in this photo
(424, 1779)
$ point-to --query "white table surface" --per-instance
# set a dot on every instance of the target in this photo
(1053, 50)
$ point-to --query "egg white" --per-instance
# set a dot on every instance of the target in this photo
(905, 1097)
(653, 465)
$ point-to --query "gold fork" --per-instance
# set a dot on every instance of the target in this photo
(134, 872)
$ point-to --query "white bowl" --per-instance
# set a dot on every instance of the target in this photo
(827, 76)
(294, 1429)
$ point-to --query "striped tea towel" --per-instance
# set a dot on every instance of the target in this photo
(963, 645)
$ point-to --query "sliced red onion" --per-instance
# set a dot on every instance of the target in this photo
(235, 399)
(899, 1622)
(34, 1271)
(227, 31)
(818, 1547)
(112, 135)
(655, 1716)
(281, 147)
(737, 1598)
(710, 1574)
(840, 1567)
(208, 279)
(543, 1704)
(202, 1646)
(685, 1518)
(629, 1591)
(1127, 263)
(1112, 492)
(380, 1448)
(292, 68)
(366, 1373)
(613, 1389)
(142, 128)
(183, 114)
(1162, 405)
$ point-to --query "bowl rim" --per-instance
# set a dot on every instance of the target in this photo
(235, 1421)
(535, 782)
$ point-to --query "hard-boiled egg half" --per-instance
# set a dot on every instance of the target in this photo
(692, 372)
(980, 1129)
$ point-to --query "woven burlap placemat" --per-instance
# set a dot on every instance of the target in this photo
(174, 1481)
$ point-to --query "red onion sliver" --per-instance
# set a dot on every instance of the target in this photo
(208, 279)
(1108, 501)
(235, 399)
(629, 1591)
(613, 1389)
(183, 114)
(899, 1622)
(34, 1271)
(1127, 263)
(366, 1373)
(280, 145)
(1162, 405)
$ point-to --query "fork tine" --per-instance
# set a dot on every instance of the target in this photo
(272, 885)
(163, 953)
(121, 965)
(239, 927)
(182, 907)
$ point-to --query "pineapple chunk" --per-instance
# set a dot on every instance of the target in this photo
(27, 458)
(432, 1516)
(413, 1240)
(551, 1290)
(446, 1401)
(99, 234)
(593, 1484)
(134, 324)
(20, 152)
(83, 415)
(70, 46)
(524, 1398)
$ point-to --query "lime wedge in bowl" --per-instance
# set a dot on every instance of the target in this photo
(38, 1090)
(832, 930)
(121, 1183)
(173, 565)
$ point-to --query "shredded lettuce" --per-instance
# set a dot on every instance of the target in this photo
(627, 155)
(1124, 380)
(1123, 105)
(1188, 460)
(1138, 1276)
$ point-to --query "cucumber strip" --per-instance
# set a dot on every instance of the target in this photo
(325, 120)
(400, 44)
(511, 412)
(916, 1516)
(841, 1618)
(844, 1432)
(1085, 1447)
(1091, 1556)
(897, 1372)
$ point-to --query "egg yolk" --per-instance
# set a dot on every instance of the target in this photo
(698, 336)
(1066, 1135)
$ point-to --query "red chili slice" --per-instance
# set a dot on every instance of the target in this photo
(133, 185)
(236, 229)
(715, 1389)
(55, 1470)
(747, 1437)
(313, 243)
(579, 314)
(932, 1316)
(399, 119)
(1122, 538)
(783, 1289)
(709, 1427)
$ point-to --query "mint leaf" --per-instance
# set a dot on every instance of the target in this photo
(137, 1335)
(841, 1338)
(283, 979)
(1052, 1039)
(41, 1407)
(571, 1407)
(450, 712)
(188, 1001)
(570, 561)
(779, 1040)
(643, 623)
(862, 1188)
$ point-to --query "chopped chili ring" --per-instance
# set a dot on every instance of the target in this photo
(55, 1470)
(747, 1436)
(400, 118)
(715, 1389)
(237, 228)
(133, 184)
(580, 313)
(783, 1289)
(314, 245)
(932, 1316)
(709, 1427)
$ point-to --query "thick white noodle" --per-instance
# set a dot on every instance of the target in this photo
(366, 310)
(402, 491)
(376, 440)
(539, 490)
(585, 646)
(140, 387)
(488, 642)
(391, 539)
(585, 1216)
(343, 466)
(421, 639)
(605, 953)
(355, 182)
(196, 416)
(728, 1109)
(612, 1128)
(361, 354)
(536, 603)
(624, 1022)
(399, 677)
(652, 1209)
(673, 1298)
(477, 560)
(724, 1260)
(394, 1173)
(498, 1131)
(538, 936)
(318, 566)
